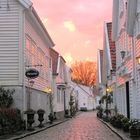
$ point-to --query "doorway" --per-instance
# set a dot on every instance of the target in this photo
(127, 100)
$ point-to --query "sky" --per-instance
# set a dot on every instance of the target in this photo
(75, 26)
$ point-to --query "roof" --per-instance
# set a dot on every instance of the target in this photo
(29, 5)
(54, 56)
(111, 45)
(86, 89)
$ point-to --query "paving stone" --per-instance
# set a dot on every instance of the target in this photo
(83, 127)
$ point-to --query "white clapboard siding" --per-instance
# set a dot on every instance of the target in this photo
(35, 34)
(9, 41)
(138, 78)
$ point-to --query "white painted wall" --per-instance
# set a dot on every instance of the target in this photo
(9, 42)
(15, 23)
(85, 99)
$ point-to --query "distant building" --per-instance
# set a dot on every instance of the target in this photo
(61, 84)
(85, 97)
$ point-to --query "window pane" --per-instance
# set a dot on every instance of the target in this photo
(27, 45)
(33, 54)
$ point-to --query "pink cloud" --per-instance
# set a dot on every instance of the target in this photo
(87, 16)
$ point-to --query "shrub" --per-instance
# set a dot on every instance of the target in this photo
(6, 99)
(100, 112)
(40, 111)
(118, 121)
(10, 120)
(134, 123)
(125, 124)
(113, 120)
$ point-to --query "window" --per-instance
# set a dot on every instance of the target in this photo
(62, 96)
(30, 51)
(50, 63)
(27, 44)
(46, 68)
(40, 57)
(33, 54)
(58, 95)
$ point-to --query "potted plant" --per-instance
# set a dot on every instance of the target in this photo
(40, 113)
(30, 118)
(125, 124)
(113, 121)
(67, 113)
(50, 116)
(118, 121)
(133, 128)
(138, 128)
(100, 112)
(54, 116)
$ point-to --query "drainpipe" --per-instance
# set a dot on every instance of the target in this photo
(24, 104)
(134, 78)
(64, 102)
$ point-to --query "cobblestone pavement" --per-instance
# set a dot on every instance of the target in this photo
(83, 127)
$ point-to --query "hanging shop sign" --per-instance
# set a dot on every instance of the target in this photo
(32, 73)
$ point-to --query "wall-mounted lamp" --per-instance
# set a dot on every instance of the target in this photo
(112, 72)
(31, 83)
(138, 59)
(108, 89)
(122, 54)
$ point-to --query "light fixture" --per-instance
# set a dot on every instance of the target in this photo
(122, 54)
(31, 83)
(112, 72)
(108, 89)
(138, 59)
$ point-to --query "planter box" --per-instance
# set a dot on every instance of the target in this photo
(133, 132)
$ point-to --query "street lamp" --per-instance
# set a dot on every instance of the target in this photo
(49, 91)
(122, 54)
(30, 85)
(108, 91)
(138, 59)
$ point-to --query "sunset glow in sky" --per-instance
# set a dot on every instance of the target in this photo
(75, 26)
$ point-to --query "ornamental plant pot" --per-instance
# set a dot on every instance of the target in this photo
(30, 118)
(1, 131)
(133, 132)
(41, 113)
(50, 116)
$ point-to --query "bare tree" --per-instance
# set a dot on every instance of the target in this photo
(84, 72)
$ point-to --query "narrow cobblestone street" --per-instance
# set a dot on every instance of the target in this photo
(83, 127)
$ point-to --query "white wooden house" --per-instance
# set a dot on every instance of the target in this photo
(125, 58)
(85, 97)
(99, 81)
(109, 62)
(133, 30)
(24, 44)
(61, 84)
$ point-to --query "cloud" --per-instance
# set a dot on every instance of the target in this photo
(76, 26)
(87, 42)
(69, 25)
(68, 58)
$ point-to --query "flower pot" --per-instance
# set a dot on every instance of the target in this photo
(138, 130)
(133, 132)
(50, 118)
(30, 119)
(41, 119)
(125, 129)
(40, 113)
